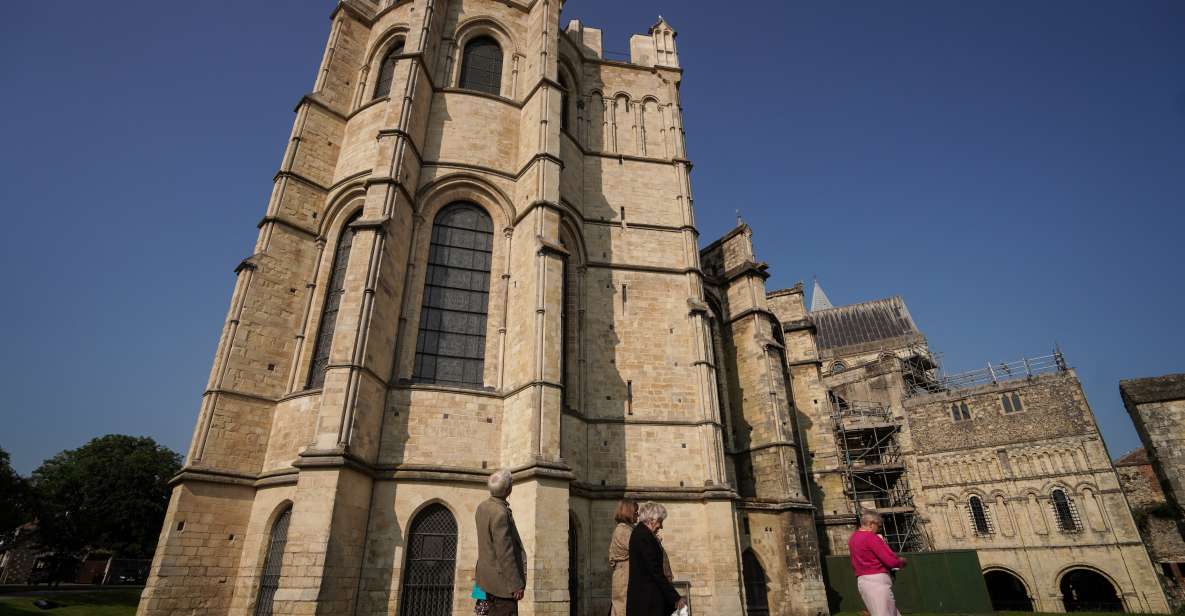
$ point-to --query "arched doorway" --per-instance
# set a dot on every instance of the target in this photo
(756, 591)
(1084, 590)
(430, 564)
(1008, 593)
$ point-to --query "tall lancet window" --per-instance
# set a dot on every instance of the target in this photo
(382, 86)
(333, 298)
(481, 66)
(756, 589)
(273, 564)
(564, 89)
(452, 340)
(565, 326)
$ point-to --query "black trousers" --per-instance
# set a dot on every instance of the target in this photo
(503, 607)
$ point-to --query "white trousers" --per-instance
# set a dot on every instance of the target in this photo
(877, 592)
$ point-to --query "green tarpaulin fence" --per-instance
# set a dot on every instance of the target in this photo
(944, 581)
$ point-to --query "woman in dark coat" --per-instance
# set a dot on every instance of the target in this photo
(649, 593)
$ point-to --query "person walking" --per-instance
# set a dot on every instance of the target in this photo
(501, 574)
(619, 553)
(649, 591)
(872, 559)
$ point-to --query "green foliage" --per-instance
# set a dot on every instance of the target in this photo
(121, 602)
(15, 497)
(110, 494)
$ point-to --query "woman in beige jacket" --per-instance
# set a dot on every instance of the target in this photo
(619, 552)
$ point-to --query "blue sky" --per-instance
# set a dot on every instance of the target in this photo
(1015, 170)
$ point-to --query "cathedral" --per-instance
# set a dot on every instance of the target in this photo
(480, 253)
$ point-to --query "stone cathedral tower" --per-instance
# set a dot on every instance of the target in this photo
(480, 253)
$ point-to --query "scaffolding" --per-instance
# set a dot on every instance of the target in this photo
(874, 471)
(927, 377)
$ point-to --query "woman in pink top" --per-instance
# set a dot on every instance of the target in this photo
(871, 560)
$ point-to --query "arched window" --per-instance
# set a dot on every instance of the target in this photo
(838, 367)
(717, 350)
(566, 333)
(1065, 512)
(481, 66)
(1016, 406)
(333, 298)
(564, 88)
(431, 564)
(382, 86)
(756, 592)
(979, 516)
(273, 563)
(452, 341)
(959, 411)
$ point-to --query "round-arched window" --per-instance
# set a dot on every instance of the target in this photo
(431, 564)
(481, 66)
(979, 516)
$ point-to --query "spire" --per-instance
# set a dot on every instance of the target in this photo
(819, 299)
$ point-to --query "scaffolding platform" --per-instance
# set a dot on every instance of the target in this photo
(874, 470)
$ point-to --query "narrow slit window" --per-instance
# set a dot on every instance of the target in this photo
(1007, 403)
(334, 291)
(450, 348)
(1016, 405)
(563, 102)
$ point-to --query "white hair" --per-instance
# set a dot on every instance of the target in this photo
(499, 483)
(869, 516)
(651, 511)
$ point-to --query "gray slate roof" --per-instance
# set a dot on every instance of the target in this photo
(1154, 389)
(863, 323)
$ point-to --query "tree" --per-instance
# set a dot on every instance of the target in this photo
(15, 501)
(110, 494)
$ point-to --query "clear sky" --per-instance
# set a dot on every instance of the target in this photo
(1015, 170)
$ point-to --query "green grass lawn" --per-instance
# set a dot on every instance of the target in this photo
(119, 602)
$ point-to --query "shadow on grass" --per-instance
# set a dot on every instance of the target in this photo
(118, 602)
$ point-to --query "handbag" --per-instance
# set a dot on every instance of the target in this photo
(482, 605)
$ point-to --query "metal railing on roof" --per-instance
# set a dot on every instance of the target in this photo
(990, 374)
